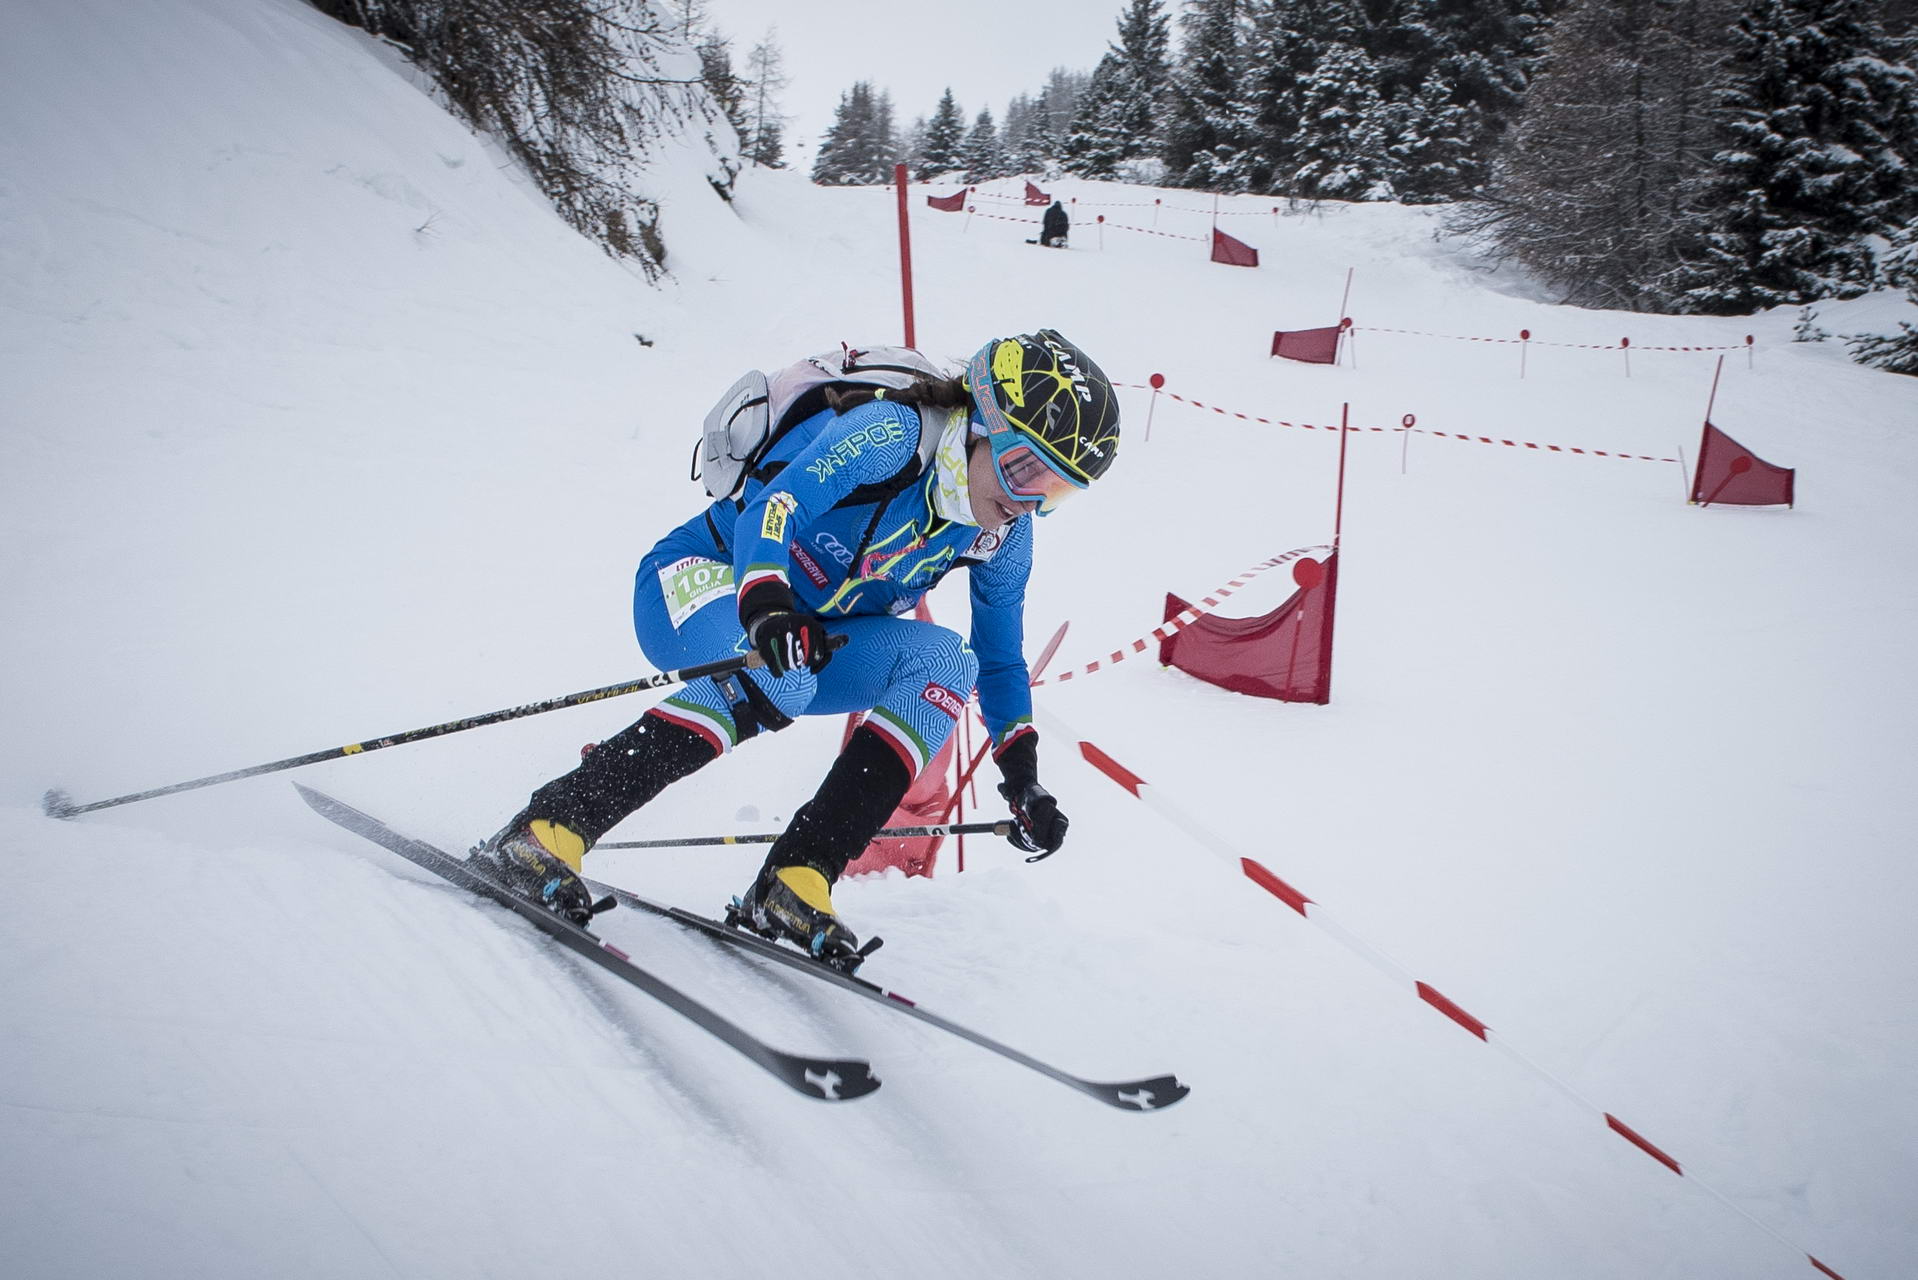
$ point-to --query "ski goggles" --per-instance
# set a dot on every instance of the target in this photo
(1025, 470)
(1027, 474)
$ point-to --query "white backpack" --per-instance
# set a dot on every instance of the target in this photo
(757, 410)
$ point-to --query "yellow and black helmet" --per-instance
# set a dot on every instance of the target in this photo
(1048, 391)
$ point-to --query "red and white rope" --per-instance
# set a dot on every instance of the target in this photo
(1000, 217)
(1548, 448)
(1074, 201)
(1243, 417)
(1624, 344)
(1151, 231)
(1306, 907)
(1407, 425)
(1111, 226)
(1185, 618)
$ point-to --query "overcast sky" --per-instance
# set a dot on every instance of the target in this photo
(986, 50)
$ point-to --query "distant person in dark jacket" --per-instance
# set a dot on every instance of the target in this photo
(1052, 232)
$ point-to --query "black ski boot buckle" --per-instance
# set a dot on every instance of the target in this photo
(844, 961)
(601, 907)
(738, 916)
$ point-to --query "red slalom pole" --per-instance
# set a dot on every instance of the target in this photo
(1038, 669)
(1712, 400)
(905, 251)
(1338, 511)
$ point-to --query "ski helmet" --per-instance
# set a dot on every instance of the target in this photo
(1049, 392)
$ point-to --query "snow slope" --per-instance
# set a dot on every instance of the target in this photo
(319, 425)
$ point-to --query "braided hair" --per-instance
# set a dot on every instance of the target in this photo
(925, 392)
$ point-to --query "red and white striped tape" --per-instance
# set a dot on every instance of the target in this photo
(1524, 338)
(1547, 448)
(1305, 906)
(1243, 417)
(999, 217)
(1407, 425)
(1142, 204)
(1152, 231)
(1184, 619)
(1111, 226)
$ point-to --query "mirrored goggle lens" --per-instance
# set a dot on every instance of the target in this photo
(1028, 477)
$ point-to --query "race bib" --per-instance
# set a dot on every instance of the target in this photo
(691, 584)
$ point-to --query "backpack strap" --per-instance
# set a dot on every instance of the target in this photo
(878, 494)
(879, 370)
(932, 425)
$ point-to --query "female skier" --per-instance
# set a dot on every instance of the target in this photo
(837, 533)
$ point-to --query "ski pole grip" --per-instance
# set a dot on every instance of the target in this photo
(755, 661)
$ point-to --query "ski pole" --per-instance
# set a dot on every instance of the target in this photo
(1001, 828)
(59, 805)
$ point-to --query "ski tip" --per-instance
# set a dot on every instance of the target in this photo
(58, 804)
(836, 1080)
(1155, 1094)
(321, 803)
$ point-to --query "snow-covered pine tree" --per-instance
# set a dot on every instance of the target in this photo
(1895, 352)
(1487, 52)
(1448, 75)
(939, 150)
(910, 141)
(1444, 66)
(1584, 191)
(984, 156)
(1205, 111)
(1061, 99)
(1144, 51)
(1095, 143)
(1343, 148)
(1807, 330)
(1817, 130)
(1284, 39)
(858, 147)
(1433, 153)
(885, 148)
(1018, 111)
(1031, 142)
(833, 165)
(1230, 166)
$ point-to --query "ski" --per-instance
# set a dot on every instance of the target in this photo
(831, 1079)
(1153, 1093)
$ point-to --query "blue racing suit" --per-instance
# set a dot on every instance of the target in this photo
(827, 517)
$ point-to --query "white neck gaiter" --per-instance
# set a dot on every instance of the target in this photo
(950, 500)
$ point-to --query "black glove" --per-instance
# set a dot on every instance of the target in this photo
(779, 632)
(1037, 825)
(789, 640)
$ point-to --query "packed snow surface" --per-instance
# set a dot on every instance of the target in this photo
(319, 425)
